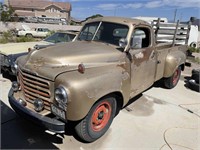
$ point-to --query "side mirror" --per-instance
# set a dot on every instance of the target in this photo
(123, 43)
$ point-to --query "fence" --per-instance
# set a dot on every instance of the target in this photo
(5, 26)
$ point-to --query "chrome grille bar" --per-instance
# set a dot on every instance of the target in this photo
(35, 87)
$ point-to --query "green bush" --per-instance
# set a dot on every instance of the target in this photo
(3, 41)
(50, 33)
(194, 50)
(24, 39)
(8, 37)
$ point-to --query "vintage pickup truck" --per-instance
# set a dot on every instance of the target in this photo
(37, 32)
(88, 81)
(11, 51)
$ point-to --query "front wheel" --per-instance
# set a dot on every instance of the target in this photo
(172, 81)
(98, 120)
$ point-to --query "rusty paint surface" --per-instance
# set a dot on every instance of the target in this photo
(108, 69)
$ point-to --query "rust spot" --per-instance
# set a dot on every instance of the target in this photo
(125, 75)
(122, 65)
(141, 57)
(62, 66)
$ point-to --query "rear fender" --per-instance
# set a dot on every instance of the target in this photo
(173, 60)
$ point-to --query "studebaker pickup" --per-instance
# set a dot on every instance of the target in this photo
(88, 81)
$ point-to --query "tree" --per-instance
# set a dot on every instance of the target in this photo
(6, 13)
(94, 16)
(1, 9)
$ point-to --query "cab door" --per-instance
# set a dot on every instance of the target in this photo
(143, 60)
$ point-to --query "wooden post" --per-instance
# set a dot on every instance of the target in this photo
(175, 33)
(188, 32)
(157, 28)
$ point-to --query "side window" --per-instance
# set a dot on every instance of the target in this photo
(88, 31)
(141, 38)
(39, 29)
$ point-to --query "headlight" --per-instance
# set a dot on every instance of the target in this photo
(61, 95)
(14, 68)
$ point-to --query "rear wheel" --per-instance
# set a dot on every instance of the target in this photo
(172, 81)
(98, 120)
(29, 35)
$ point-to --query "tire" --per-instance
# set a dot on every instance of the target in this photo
(29, 35)
(98, 120)
(196, 75)
(194, 86)
(172, 81)
(193, 44)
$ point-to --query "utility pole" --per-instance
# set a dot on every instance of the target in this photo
(175, 12)
(181, 16)
(115, 11)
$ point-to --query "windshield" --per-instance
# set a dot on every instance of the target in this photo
(60, 37)
(104, 31)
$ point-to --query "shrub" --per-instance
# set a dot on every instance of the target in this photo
(24, 39)
(50, 33)
(194, 50)
(9, 37)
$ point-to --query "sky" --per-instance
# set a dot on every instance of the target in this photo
(82, 9)
(134, 8)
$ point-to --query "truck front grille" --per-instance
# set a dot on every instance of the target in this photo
(35, 87)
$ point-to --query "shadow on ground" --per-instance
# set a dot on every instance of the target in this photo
(17, 133)
(6, 75)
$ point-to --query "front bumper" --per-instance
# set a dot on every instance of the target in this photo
(51, 124)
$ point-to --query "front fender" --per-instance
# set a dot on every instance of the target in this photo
(173, 60)
(85, 89)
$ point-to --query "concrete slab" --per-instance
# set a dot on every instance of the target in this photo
(157, 119)
(181, 138)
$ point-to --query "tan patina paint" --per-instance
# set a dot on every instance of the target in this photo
(108, 70)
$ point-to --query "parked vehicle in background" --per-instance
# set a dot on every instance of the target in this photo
(10, 52)
(193, 36)
(58, 37)
(88, 81)
(151, 20)
(48, 20)
(31, 19)
(194, 83)
(37, 32)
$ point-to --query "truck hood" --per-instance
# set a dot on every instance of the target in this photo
(16, 48)
(54, 60)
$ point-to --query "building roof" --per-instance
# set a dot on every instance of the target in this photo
(39, 4)
(24, 13)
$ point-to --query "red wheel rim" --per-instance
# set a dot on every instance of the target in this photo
(176, 76)
(101, 116)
